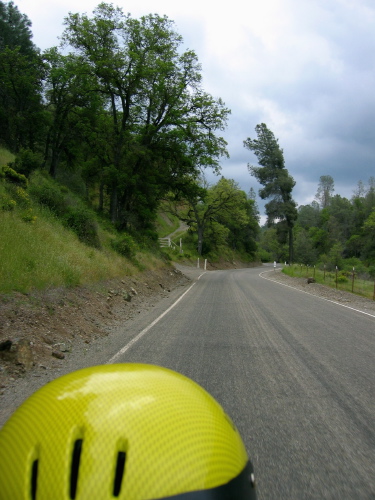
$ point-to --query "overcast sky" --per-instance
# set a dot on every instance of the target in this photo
(306, 68)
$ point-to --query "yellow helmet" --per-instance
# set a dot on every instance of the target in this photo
(127, 431)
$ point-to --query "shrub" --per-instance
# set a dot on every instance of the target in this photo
(342, 279)
(14, 177)
(7, 203)
(21, 196)
(124, 245)
(46, 192)
(28, 216)
(26, 162)
(359, 266)
(68, 208)
(83, 223)
(264, 255)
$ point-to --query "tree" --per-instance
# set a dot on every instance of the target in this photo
(270, 247)
(360, 190)
(15, 29)
(221, 210)
(21, 73)
(162, 124)
(308, 215)
(369, 239)
(325, 190)
(69, 99)
(304, 251)
(21, 110)
(275, 178)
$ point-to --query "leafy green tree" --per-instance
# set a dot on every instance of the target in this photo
(275, 178)
(343, 226)
(162, 123)
(220, 212)
(308, 215)
(239, 216)
(70, 103)
(335, 255)
(354, 245)
(370, 222)
(369, 238)
(342, 210)
(21, 73)
(304, 251)
(370, 196)
(21, 110)
(360, 190)
(269, 243)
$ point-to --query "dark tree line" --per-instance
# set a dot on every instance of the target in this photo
(332, 230)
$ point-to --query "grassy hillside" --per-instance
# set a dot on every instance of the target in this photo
(59, 241)
(49, 237)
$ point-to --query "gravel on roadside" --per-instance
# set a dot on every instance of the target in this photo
(324, 292)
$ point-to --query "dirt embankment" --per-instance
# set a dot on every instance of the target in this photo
(38, 329)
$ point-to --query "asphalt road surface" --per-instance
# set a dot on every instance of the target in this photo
(296, 374)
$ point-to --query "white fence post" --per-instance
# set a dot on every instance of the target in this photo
(198, 264)
(205, 264)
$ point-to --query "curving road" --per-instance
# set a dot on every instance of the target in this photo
(296, 374)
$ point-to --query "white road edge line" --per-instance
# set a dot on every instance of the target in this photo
(145, 330)
(313, 295)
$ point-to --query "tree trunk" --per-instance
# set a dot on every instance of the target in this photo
(101, 197)
(200, 231)
(114, 204)
(54, 163)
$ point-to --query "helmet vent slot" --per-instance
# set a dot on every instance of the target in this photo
(119, 473)
(76, 458)
(34, 478)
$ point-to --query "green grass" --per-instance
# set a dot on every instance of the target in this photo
(5, 156)
(365, 288)
(40, 248)
(39, 251)
(43, 254)
(166, 224)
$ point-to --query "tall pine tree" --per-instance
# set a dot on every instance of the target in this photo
(275, 178)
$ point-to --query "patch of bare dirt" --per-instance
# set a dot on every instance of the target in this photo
(38, 329)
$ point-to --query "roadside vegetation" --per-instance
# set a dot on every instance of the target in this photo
(333, 232)
(354, 277)
(48, 238)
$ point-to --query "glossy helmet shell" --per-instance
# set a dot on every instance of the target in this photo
(126, 431)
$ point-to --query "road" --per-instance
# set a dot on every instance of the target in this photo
(295, 373)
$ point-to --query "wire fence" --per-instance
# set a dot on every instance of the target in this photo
(349, 281)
